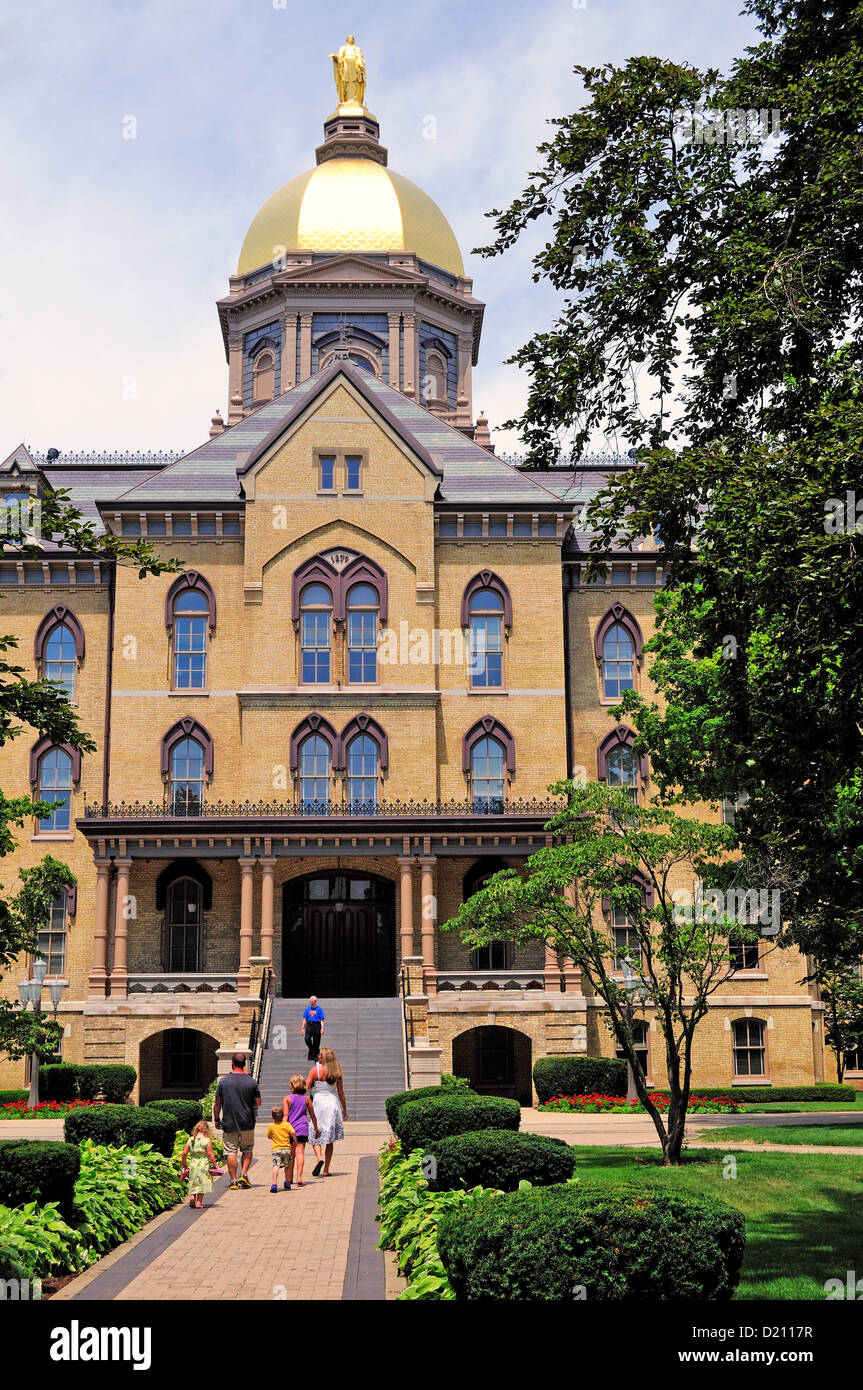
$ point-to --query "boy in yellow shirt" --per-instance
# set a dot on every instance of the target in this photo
(284, 1138)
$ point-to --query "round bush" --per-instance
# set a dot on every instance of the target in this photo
(116, 1080)
(630, 1241)
(121, 1125)
(58, 1083)
(44, 1169)
(579, 1076)
(88, 1082)
(499, 1158)
(392, 1103)
(421, 1123)
(186, 1112)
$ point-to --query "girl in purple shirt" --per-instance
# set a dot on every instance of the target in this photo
(299, 1111)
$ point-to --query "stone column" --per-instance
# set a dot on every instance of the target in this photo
(406, 912)
(305, 346)
(98, 974)
(463, 391)
(267, 890)
(247, 867)
(428, 922)
(119, 971)
(571, 972)
(235, 379)
(552, 971)
(289, 350)
(411, 387)
(395, 374)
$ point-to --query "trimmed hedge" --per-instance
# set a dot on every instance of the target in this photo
(579, 1076)
(35, 1168)
(499, 1158)
(392, 1103)
(632, 1241)
(186, 1112)
(12, 1097)
(824, 1092)
(120, 1125)
(58, 1083)
(421, 1123)
(75, 1081)
(116, 1081)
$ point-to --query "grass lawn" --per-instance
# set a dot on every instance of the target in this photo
(804, 1213)
(788, 1134)
(800, 1107)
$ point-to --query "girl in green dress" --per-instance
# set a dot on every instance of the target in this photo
(198, 1153)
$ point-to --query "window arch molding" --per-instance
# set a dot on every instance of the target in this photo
(640, 881)
(486, 579)
(618, 614)
(187, 728)
(184, 868)
(479, 871)
(360, 570)
(315, 724)
(46, 745)
(192, 579)
(59, 614)
(488, 727)
(362, 724)
(621, 737)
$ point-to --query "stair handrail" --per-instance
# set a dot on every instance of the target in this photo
(407, 1023)
(260, 1032)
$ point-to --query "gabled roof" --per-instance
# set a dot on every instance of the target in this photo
(19, 461)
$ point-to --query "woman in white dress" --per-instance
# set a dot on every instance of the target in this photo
(330, 1108)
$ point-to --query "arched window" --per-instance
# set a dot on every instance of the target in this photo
(618, 661)
(485, 650)
(314, 768)
(487, 774)
(184, 916)
(191, 625)
(187, 778)
(494, 956)
(621, 770)
(362, 616)
(749, 1048)
(55, 786)
(52, 941)
(434, 382)
(362, 768)
(60, 661)
(626, 942)
(316, 612)
(263, 377)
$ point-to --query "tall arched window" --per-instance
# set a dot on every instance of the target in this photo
(316, 612)
(362, 615)
(434, 383)
(55, 786)
(618, 661)
(486, 639)
(52, 941)
(60, 660)
(191, 624)
(184, 925)
(621, 770)
(487, 774)
(263, 377)
(315, 764)
(362, 766)
(187, 778)
(749, 1049)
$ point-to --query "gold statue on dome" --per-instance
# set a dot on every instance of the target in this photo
(349, 73)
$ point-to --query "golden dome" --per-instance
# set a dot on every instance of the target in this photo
(351, 205)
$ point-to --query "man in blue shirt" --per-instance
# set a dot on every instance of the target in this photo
(312, 1027)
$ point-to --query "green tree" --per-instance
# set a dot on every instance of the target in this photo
(24, 915)
(644, 862)
(841, 991)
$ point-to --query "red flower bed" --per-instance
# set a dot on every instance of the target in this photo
(20, 1110)
(598, 1104)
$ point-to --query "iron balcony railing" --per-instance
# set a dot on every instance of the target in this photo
(482, 807)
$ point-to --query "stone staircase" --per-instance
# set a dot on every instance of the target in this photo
(366, 1035)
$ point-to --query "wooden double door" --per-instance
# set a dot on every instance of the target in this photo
(339, 936)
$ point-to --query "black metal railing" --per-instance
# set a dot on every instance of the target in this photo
(407, 1023)
(260, 1029)
(306, 810)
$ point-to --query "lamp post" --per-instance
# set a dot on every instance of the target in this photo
(635, 989)
(31, 993)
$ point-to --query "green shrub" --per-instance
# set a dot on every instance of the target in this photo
(116, 1081)
(498, 1158)
(88, 1082)
(421, 1123)
(119, 1191)
(824, 1091)
(12, 1097)
(579, 1076)
(122, 1125)
(628, 1242)
(35, 1168)
(207, 1100)
(392, 1103)
(187, 1112)
(58, 1083)
(36, 1242)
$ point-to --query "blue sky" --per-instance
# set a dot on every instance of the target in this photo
(113, 251)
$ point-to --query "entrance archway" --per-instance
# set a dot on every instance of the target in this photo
(177, 1062)
(495, 1060)
(339, 936)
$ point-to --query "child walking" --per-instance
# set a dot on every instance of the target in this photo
(200, 1160)
(284, 1142)
(300, 1110)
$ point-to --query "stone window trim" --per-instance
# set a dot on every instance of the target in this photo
(315, 724)
(618, 614)
(621, 736)
(361, 570)
(192, 579)
(47, 745)
(340, 471)
(487, 579)
(184, 868)
(479, 871)
(488, 727)
(641, 881)
(186, 728)
(264, 344)
(750, 1078)
(59, 614)
(361, 724)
